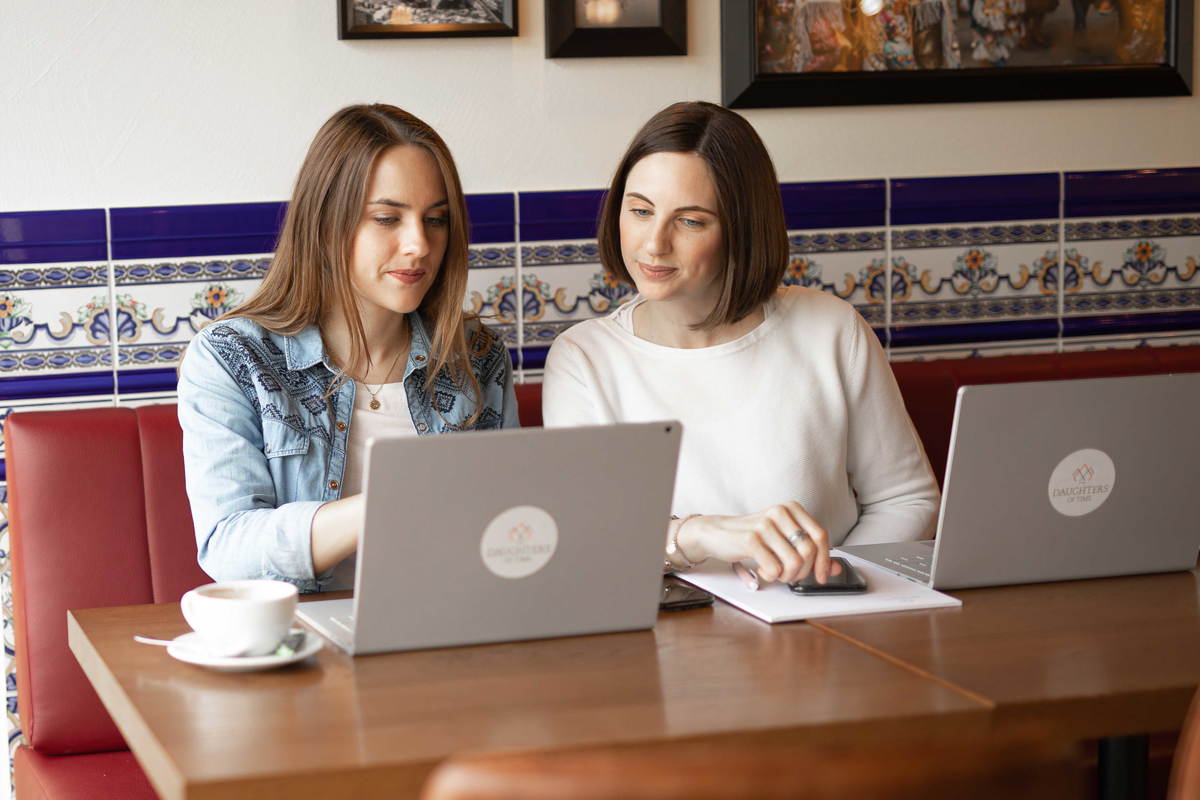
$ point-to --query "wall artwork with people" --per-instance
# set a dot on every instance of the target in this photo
(841, 52)
(385, 19)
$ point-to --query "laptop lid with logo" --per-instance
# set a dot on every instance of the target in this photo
(515, 534)
(1055, 480)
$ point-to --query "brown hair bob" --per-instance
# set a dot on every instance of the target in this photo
(311, 266)
(748, 202)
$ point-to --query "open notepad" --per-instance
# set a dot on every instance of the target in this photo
(775, 602)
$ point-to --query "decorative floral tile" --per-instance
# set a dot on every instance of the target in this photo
(847, 263)
(974, 273)
(1132, 265)
(563, 283)
(54, 318)
(177, 268)
(836, 232)
(161, 305)
(53, 295)
(490, 282)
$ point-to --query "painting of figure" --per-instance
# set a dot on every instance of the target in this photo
(379, 18)
(805, 36)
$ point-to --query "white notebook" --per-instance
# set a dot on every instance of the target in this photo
(775, 602)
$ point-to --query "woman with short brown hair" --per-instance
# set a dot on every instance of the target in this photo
(795, 435)
(357, 331)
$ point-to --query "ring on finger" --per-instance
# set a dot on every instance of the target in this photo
(797, 538)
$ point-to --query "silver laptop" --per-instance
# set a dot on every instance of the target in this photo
(1058, 480)
(504, 535)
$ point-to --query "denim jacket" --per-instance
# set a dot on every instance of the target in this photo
(264, 447)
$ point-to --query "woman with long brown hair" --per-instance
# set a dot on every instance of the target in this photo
(795, 436)
(357, 331)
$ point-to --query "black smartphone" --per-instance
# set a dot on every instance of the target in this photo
(849, 582)
(680, 596)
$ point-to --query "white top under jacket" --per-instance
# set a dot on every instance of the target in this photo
(804, 407)
(392, 419)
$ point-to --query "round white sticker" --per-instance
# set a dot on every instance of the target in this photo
(519, 541)
(1082, 482)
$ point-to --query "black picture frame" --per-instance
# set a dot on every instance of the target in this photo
(347, 29)
(742, 86)
(564, 39)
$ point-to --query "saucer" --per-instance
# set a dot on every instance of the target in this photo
(187, 648)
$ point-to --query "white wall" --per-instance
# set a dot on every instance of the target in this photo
(141, 102)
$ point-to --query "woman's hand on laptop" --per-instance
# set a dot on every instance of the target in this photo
(784, 540)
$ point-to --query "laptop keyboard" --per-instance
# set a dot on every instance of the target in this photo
(918, 565)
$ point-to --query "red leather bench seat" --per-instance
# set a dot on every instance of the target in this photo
(98, 517)
(88, 775)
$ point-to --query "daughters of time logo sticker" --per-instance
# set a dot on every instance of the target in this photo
(519, 542)
(1082, 482)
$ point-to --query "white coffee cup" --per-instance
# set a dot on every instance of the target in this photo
(241, 618)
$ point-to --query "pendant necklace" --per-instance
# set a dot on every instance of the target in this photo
(374, 404)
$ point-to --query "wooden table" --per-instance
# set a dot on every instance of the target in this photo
(1087, 659)
(375, 726)
(1111, 659)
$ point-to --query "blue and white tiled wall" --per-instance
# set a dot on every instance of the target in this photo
(940, 267)
(96, 305)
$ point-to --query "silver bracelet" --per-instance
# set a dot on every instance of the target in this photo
(673, 548)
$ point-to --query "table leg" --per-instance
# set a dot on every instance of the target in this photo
(1122, 769)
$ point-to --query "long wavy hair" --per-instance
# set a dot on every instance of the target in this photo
(311, 266)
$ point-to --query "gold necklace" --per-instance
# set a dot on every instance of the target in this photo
(374, 404)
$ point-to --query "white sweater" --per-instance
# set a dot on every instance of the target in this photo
(804, 407)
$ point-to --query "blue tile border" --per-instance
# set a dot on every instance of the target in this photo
(191, 231)
(1096, 230)
(967, 332)
(40, 237)
(1132, 192)
(29, 276)
(1130, 323)
(186, 271)
(493, 217)
(130, 381)
(975, 236)
(836, 242)
(834, 204)
(70, 385)
(534, 357)
(56, 358)
(547, 216)
(980, 198)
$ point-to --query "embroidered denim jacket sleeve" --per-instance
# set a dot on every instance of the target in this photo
(509, 418)
(493, 370)
(242, 528)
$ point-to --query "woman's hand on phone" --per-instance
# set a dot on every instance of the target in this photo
(784, 540)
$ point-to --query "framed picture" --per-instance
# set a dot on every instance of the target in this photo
(859, 52)
(387, 19)
(591, 28)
